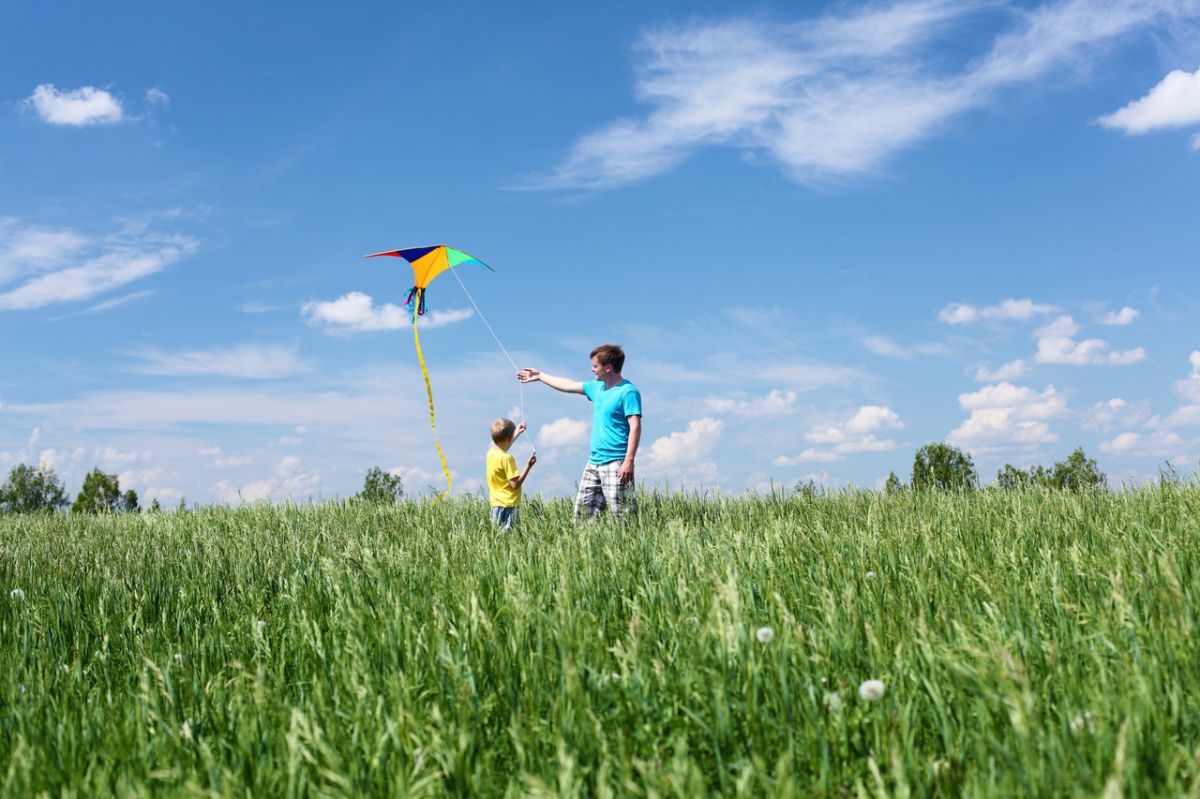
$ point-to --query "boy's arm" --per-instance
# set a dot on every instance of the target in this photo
(519, 479)
(563, 384)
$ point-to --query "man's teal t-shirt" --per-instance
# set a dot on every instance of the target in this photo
(611, 408)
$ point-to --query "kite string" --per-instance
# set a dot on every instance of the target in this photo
(520, 386)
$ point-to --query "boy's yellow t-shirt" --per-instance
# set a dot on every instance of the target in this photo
(502, 467)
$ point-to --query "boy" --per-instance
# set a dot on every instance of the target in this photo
(503, 480)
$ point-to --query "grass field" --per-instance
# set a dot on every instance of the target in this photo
(1033, 644)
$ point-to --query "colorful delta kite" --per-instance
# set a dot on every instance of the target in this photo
(428, 263)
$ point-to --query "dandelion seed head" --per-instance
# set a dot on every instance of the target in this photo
(870, 575)
(832, 702)
(871, 690)
(260, 625)
(764, 635)
(17, 594)
(940, 767)
(1084, 722)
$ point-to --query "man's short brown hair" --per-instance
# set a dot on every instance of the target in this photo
(503, 430)
(610, 355)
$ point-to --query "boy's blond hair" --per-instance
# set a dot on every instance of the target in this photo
(503, 430)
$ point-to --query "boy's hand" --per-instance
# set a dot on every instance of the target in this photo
(521, 428)
(533, 459)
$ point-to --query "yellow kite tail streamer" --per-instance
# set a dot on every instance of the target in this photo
(432, 421)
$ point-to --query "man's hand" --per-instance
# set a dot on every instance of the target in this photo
(625, 473)
(528, 375)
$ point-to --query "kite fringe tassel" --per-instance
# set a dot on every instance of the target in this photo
(416, 301)
(429, 393)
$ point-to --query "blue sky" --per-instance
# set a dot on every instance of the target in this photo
(825, 234)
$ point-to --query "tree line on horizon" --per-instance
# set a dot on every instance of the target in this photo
(936, 467)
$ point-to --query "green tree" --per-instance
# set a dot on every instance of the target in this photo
(101, 493)
(893, 484)
(1010, 478)
(1077, 473)
(381, 488)
(943, 467)
(32, 489)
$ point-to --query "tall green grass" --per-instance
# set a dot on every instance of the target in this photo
(1036, 644)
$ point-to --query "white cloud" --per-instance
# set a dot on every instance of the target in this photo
(1173, 103)
(1189, 390)
(1004, 415)
(1157, 444)
(252, 361)
(835, 95)
(356, 312)
(156, 96)
(1189, 387)
(1109, 414)
(563, 432)
(688, 447)
(1009, 371)
(774, 403)
(958, 313)
(113, 455)
(1125, 316)
(83, 106)
(856, 434)
(1057, 345)
(288, 481)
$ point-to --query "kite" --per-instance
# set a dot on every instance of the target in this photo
(428, 263)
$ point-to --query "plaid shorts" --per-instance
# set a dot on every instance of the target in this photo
(505, 518)
(601, 488)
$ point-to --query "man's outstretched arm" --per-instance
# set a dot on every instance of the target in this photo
(563, 384)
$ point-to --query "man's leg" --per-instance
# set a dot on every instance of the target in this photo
(618, 496)
(590, 499)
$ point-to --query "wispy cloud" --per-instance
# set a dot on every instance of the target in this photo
(356, 313)
(157, 97)
(884, 346)
(60, 266)
(959, 313)
(833, 96)
(77, 107)
(251, 361)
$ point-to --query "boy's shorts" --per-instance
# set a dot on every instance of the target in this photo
(600, 488)
(505, 518)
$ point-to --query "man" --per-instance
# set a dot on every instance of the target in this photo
(616, 432)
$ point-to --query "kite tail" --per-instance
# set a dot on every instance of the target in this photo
(429, 393)
(416, 301)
